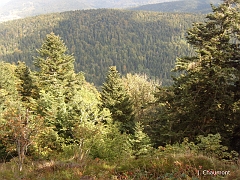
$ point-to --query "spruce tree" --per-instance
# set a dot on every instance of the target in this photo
(114, 97)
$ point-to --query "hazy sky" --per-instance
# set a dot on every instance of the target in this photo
(2, 2)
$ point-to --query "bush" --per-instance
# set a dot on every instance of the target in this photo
(103, 141)
(210, 146)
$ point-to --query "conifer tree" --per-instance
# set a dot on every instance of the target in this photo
(140, 141)
(55, 66)
(8, 81)
(18, 125)
(8, 93)
(56, 81)
(26, 86)
(115, 98)
(205, 96)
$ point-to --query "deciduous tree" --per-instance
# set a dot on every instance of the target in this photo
(19, 130)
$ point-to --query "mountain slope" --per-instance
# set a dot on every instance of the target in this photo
(24, 8)
(135, 42)
(187, 6)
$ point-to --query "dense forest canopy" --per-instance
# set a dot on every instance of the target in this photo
(135, 42)
(56, 125)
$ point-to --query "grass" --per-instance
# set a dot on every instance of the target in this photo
(157, 166)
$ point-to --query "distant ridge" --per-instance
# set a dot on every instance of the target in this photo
(15, 9)
(186, 6)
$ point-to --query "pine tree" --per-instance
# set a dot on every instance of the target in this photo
(115, 98)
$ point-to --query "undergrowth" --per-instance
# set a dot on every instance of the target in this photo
(172, 162)
(158, 166)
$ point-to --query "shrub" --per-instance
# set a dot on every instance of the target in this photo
(210, 146)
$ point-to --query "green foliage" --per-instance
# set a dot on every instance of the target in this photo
(19, 130)
(48, 144)
(114, 97)
(56, 79)
(159, 165)
(170, 166)
(8, 93)
(103, 38)
(210, 146)
(141, 144)
(141, 91)
(103, 141)
(113, 146)
(83, 105)
(8, 82)
(66, 101)
(55, 66)
(81, 125)
(26, 86)
(202, 99)
(19, 125)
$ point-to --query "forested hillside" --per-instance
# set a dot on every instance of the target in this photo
(186, 6)
(56, 125)
(141, 42)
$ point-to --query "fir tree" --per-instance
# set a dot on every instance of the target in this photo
(56, 83)
(140, 141)
(26, 86)
(54, 65)
(115, 98)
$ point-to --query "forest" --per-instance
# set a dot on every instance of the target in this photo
(54, 124)
(134, 42)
